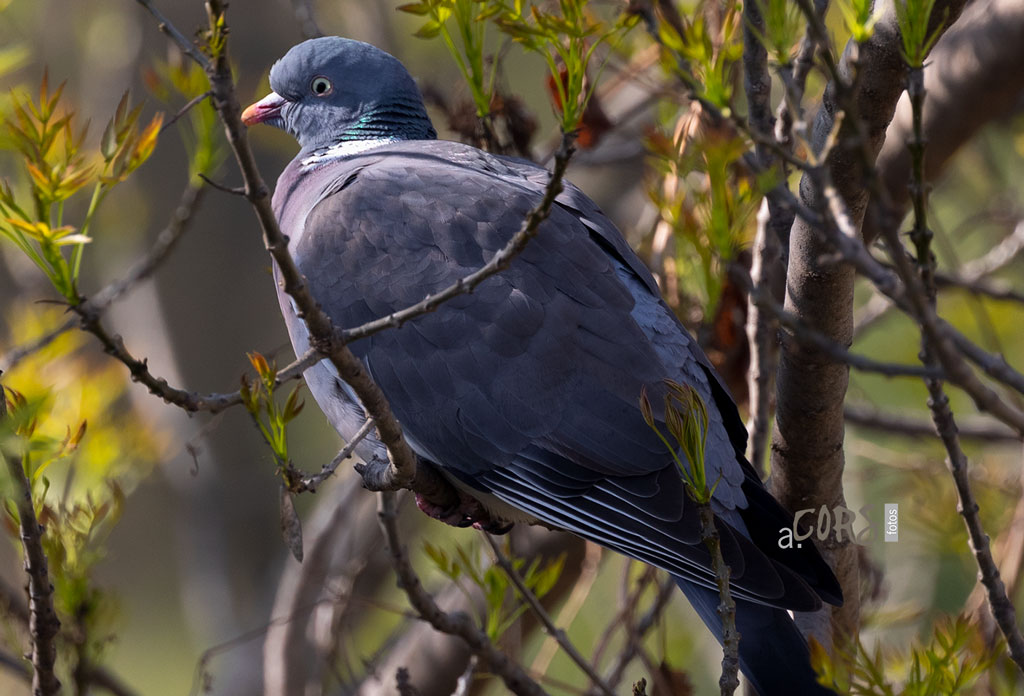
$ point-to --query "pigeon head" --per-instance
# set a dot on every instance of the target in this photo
(331, 90)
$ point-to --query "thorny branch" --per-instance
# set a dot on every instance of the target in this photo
(43, 625)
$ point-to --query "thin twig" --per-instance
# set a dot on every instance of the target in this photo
(899, 424)
(729, 680)
(223, 188)
(634, 640)
(456, 623)
(805, 335)
(465, 684)
(140, 270)
(903, 287)
(183, 43)
(572, 606)
(499, 262)
(794, 78)
(545, 618)
(312, 483)
(189, 105)
(971, 276)
(993, 289)
(1000, 604)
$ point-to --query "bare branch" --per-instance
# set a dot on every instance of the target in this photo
(971, 276)
(312, 483)
(189, 105)
(184, 44)
(794, 78)
(1002, 607)
(899, 424)
(807, 336)
(637, 632)
(808, 459)
(499, 262)
(729, 680)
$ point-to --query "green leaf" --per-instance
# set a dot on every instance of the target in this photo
(429, 30)
(416, 8)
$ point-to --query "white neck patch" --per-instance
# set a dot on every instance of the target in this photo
(343, 149)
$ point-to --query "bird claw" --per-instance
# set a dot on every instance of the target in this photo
(467, 512)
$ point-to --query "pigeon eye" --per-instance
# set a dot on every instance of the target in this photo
(321, 86)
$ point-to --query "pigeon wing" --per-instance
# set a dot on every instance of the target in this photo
(527, 388)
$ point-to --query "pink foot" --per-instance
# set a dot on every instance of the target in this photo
(467, 512)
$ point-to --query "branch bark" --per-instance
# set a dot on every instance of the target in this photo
(807, 449)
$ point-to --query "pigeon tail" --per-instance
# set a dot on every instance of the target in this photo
(773, 654)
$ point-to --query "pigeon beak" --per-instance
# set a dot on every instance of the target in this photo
(266, 109)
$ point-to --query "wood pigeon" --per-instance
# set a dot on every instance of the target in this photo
(524, 393)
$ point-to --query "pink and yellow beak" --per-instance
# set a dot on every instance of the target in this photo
(266, 109)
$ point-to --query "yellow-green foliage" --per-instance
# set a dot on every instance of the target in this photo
(467, 568)
(82, 446)
(949, 663)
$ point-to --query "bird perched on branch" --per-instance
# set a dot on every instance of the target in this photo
(524, 393)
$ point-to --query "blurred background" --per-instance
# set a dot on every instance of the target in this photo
(194, 575)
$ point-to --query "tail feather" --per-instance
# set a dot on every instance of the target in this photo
(773, 654)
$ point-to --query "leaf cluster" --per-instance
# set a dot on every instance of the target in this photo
(503, 603)
(783, 26)
(912, 17)
(52, 151)
(469, 52)
(271, 419)
(948, 664)
(686, 419)
(860, 17)
(566, 37)
(704, 195)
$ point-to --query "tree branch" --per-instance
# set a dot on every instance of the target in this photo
(499, 262)
(807, 457)
(899, 424)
